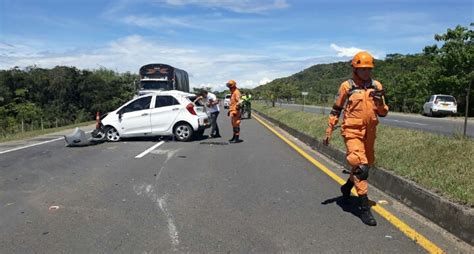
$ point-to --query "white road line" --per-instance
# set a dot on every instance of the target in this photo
(150, 149)
(150, 192)
(403, 121)
(172, 231)
(37, 144)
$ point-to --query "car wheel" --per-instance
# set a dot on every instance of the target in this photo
(183, 132)
(112, 135)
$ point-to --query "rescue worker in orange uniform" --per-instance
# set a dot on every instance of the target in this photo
(234, 110)
(362, 100)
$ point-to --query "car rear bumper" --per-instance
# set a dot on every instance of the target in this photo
(444, 111)
(203, 123)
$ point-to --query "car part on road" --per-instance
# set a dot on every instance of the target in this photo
(80, 138)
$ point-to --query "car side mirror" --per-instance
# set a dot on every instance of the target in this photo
(120, 113)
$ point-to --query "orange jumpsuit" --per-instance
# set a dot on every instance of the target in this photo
(234, 111)
(358, 126)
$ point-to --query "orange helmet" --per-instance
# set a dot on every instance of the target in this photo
(363, 60)
(231, 83)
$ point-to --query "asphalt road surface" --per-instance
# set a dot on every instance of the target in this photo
(205, 196)
(439, 125)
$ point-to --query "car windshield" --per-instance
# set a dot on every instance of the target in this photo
(227, 96)
(157, 85)
(446, 98)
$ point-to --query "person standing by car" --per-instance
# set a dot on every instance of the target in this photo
(362, 100)
(213, 109)
(234, 110)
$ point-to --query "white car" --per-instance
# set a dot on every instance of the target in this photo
(163, 113)
(227, 100)
(440, 104)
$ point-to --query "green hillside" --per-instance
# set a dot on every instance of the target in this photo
(409, 80)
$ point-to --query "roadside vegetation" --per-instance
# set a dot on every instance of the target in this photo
(439, 163)
(35, 98)
(446, 67)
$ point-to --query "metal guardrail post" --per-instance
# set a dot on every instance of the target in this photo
(466, 114)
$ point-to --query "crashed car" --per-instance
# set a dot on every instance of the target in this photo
(163, 113)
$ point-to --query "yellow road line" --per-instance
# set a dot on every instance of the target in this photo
(402, 226)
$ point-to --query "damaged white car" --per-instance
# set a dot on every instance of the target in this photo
(164, 113)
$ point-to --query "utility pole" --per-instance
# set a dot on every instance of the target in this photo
(466, 114)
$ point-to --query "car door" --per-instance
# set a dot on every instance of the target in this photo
(135, 117)
(164, 113)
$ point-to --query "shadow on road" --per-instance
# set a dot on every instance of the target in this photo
(349, 206)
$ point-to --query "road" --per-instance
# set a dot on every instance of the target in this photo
(205, 196)
(445, 126)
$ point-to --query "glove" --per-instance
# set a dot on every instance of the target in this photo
(378, 97)
(328, 136)
(326, 140)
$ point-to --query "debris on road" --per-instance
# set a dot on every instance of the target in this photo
(80, 138)
(53, 208)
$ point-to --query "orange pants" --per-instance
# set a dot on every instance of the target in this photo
(236, 123)
(360, 151)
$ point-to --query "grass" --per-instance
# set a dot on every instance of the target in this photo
(442, 164)
(31, 134)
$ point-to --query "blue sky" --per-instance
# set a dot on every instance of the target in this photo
(252, 42)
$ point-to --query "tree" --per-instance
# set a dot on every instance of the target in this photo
(455, 59)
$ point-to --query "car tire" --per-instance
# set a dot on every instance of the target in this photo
(111, 134)
(183, 132)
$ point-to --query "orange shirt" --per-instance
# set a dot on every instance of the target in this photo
(234, 100)
(360, 110)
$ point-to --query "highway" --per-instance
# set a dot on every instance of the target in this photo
(205, 196)
(438, 125)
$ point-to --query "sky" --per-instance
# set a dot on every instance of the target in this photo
(250, 41)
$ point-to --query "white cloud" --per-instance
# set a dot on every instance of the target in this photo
(240, 6)
(157, 22)
(264, 80)
(345, 52)
(207, 67)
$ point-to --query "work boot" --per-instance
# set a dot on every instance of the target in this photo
(365, 214)
(346, 189)
(236, 140)
(232, 139)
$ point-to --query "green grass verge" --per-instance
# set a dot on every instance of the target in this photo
(440, 163)
(31, 134)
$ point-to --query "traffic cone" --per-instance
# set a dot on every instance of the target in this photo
(97, 120)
